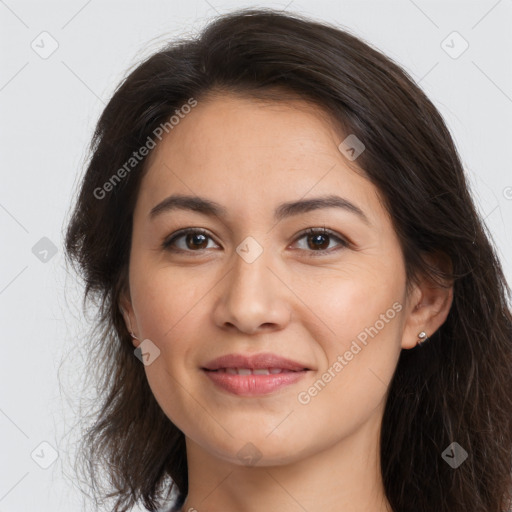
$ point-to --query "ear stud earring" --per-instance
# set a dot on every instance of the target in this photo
(422, 336)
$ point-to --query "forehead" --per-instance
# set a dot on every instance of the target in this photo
(250, 153)
(234, 127)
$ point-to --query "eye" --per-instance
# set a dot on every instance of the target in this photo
(318, 241)
(193, 239)
(196, 240)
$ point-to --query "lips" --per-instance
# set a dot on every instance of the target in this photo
(254, 364)
(256, 375)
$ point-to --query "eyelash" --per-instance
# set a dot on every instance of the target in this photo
(167, 244)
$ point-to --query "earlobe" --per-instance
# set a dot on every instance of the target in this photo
(429, 307)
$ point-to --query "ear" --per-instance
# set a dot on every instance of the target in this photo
(126, 308)
(428, 303)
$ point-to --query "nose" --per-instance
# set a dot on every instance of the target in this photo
(253, 298)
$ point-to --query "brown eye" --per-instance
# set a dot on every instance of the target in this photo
(195, 240)
(319, 240)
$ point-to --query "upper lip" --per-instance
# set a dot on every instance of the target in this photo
(255, 361)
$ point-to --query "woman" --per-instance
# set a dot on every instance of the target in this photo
(300, 307)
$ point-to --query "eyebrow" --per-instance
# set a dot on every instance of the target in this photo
(284, 210)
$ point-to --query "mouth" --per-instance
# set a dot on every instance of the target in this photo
(253, 375)
(254, 371)
(253, 363)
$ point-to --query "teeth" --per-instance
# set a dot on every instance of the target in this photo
(261, 371)
(248, 371)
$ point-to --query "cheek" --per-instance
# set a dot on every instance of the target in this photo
(361, 349)
(346, 300)
(170, 306)
(361, 328)
(358, 319)
(165, 299)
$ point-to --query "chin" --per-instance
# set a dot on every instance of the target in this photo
(257, 448)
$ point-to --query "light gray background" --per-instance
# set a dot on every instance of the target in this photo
(48, 110)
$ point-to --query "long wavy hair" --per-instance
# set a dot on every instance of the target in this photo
(457, 387)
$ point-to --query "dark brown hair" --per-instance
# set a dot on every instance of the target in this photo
(456, 387)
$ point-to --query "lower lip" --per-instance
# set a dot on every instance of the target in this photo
(252, 385)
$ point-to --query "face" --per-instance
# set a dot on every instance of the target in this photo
(250, 279)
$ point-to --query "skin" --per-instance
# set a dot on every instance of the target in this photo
(194, 306)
